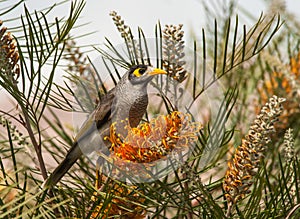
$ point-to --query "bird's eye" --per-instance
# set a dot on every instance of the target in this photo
(139, 71)
(142, 70)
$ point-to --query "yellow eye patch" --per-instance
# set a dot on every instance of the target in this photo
(138, 72)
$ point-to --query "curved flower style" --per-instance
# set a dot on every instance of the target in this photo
(154, 140)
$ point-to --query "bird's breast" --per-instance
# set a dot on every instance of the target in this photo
(137, 110)
(132, 108)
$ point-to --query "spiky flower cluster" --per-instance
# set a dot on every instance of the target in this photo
(289, 145)
(76, 58)
(133, 46)
(121, 26)
(247, 157)
(148, 142)
(173, 52)
(285, 82)
(290, 157)
(293, 77)
(8, 56)
(126, 202)
(78, 66)
(154, 140)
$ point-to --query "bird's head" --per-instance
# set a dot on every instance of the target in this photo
(142, 74)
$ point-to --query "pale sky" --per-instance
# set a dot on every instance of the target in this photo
(144, 14)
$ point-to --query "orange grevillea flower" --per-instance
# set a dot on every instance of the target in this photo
(125, 202)
(295, 65)
(284, 83)
(154, 140)
(148, 142)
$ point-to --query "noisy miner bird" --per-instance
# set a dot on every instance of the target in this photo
(127, 100)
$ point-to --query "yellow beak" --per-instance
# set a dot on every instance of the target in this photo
(157, 71)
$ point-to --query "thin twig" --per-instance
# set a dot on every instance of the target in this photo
(11, 116)
(186, 187)
(229, 209)
(295, 208)
(36, 146)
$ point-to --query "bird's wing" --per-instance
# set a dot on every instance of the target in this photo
(87, 138)
(99, 117)
(96, 127)
(103, 111)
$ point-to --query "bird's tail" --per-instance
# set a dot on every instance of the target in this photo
(63, 167)
(88, 139)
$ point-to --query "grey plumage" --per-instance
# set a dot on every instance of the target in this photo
(128, 99)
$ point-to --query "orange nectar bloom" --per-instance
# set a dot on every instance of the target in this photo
(148, 142)
(284, 83)
(154, 140)
(126, 202)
